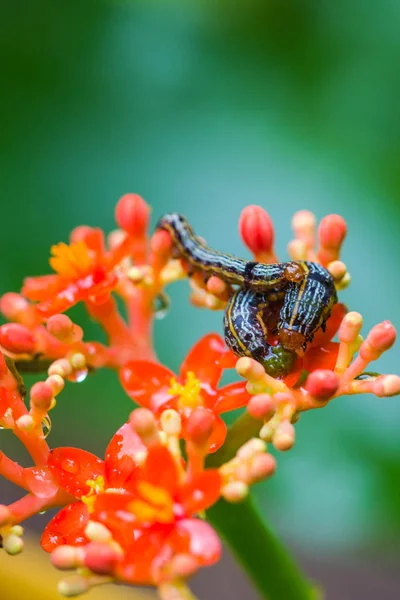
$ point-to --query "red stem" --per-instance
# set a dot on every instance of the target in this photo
(11, 470)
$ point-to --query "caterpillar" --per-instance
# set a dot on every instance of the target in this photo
(304, 292)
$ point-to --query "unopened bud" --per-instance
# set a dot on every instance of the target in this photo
(235, 491)
(144, 424)
(67, 557)
(25, 423)
(350, 327)
(12, 305)
(261, 406)
(250, 448)
(200, 426)
(61, 367)
(261, 467)
(322, 384)
(13, 544)
(284, 436)
(101, 558)
(41, 396)
(303, 224)
(61, 327)
(183, 565)
(257, 230)
(332, 232)
(250, 369)
(78, 361)
(380, 338)
(132, 214)
(17, 339)
(73, 586)
(56, 382)
(386, 385)
(171, 422)
(97, 532)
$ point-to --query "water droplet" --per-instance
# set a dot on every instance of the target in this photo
(1, 427)
(78, 376)
(42, 512)
(162, 304)
(46, 426)
(70, 465)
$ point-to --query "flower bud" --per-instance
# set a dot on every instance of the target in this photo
(332, 231)
(41, 396)
(101, 557)
(17, 339)
(183, 565)
(350, 327)
(67, 557)
(56, 382)
(13, 544)
(12, 305)
(386, 385)
(61, 367)
(261, 467)
(132, 214)
(144, 424)
(261, 406)
(250, 369)
(380, 338)
(171, 422)
(257, 230)
(284, 436)
(97, 532)
(61, 327)
(303, 224)
(73, 586)
(235, 491)
(322, 384)
(200, 426)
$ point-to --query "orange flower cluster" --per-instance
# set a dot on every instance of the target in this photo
(138, 515)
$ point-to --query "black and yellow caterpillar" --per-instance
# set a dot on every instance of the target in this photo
(303, 291)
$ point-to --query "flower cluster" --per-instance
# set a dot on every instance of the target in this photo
(138, 516)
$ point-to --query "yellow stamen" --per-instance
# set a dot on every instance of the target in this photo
(189, 394)
(96, 486)
(155, 504)
(70, 261)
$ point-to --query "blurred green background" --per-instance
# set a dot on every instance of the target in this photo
(203, 108)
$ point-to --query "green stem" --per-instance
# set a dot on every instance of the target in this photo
(241, 526)
(263, 557)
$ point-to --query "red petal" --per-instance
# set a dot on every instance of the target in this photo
(203, 359)
(202, 492)
(41, 288)
(204, 544)
(321, 358)
(146, 553)
(72, 468)
(67, 527)
(120, 465)
(160, 469)
(332, 326)
(231, 397)
(218, 435)
(147, 383)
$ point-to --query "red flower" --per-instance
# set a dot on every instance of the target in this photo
(154, 522)
(155, 387)
(83, 475)
(85, 270)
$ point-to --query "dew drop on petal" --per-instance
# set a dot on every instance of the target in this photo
(78, 376)
(162, 305)
(70, 465)
(46, 426)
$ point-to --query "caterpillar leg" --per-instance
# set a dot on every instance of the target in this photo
(246, 332)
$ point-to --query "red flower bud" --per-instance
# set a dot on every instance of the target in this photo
(132, 213)
(101, 557)
(41, 395)
(11, 305)
(61, 327)
(380, 338)
(256, 229)
(17, 339)
(332, 231)
(261, 406)
(200, 426)
(322, 384)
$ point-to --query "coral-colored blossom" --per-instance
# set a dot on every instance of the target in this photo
(157, 388)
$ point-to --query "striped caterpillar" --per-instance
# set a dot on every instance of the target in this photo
(303, 293)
